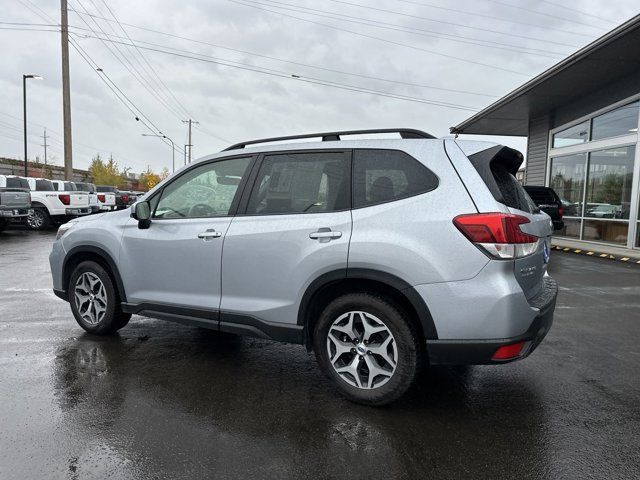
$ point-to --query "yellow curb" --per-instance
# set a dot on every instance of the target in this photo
(590, 253)
(577, 251)
(624, 259)
(566, 249)
(603, 255)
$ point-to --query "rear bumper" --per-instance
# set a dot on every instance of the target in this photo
(78, 211)
(14, 212)
(479, 352)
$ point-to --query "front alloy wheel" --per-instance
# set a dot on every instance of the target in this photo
(91, 298)
(37, 219)
(362, 350)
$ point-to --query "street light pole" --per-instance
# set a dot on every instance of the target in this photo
(24, 113)
(173, 148)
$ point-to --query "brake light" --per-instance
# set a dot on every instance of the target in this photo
(125, 198)
(561, 211)
(102, 198)
(497, 234)
(507, 352)
(65, 198)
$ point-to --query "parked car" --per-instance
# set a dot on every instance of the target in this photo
(52, 206)
(124, 198)
(547, 200)
(376, 254)
(15, 200)
(90, 188)
(603, 210)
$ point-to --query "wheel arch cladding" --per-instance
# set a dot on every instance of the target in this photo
(80, 254)
(339, 282)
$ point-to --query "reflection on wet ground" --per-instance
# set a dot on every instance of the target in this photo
(168, 401)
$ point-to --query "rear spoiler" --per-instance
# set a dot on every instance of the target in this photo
(486, 161)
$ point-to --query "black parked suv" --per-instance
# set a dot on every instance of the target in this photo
(549, 202)
(123, 197)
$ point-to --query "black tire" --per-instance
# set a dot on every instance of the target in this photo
(409, 348)
(113, 318)
(39, 219)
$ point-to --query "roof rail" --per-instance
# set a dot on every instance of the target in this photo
(334, 136)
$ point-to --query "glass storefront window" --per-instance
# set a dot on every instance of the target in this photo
(621, 121)
(571, 228)
(605, 231)
(567, 179)
(572, 135)
(609, 181)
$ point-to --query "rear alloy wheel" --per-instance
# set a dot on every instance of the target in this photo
(368, 347)
(38, 219)
(94, 301)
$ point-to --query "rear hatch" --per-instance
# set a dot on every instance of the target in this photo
(108, 199)
(76, 199)
(14, 198)
(497, 166)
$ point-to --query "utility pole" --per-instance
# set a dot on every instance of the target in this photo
(190, 145)
(45, 145)
(66, 95)
(24, 117)
(185, 154)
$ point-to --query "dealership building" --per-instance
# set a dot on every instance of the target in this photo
(581, 118)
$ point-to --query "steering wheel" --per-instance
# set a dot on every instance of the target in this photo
(201, 210)
(177, 212)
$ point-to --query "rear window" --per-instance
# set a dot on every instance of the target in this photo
(44, 186)
(14, 182)
(497, 167)
(69, 187)
(105, 189)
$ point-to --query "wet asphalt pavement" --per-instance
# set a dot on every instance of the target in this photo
(169, 401)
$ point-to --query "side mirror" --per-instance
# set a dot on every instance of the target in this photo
(142, 213)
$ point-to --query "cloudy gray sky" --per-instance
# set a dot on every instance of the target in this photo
(432, 64)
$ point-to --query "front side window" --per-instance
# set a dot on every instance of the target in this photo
(572, 135)
(204, 191)
(381, 176)
(621, 121)
(301, 183)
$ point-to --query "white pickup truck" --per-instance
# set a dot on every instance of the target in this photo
(64, 186)
(53, 206)
(104, 201)
(15, 200)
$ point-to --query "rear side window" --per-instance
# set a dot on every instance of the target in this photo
(69, 187)
(381, 176)
(301, 183)
(497, 167)
(13, 182)
(44, 186)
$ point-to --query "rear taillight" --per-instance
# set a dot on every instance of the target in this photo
(102, 198)
(65, 199)
(498, 234)
(561, 211)
(125, 198)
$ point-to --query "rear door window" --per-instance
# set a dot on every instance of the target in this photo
(381, 176)
(314, 182)
(44, 186)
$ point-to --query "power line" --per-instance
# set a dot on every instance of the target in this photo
(104, 77)
(291, 62)
(549, 15)
(578, 11)
(129, 65)
(413, 47)
(491, 17)
(153, 70)
(300, 78)
(412, 30)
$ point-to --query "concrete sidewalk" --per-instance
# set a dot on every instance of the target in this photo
(596, 250)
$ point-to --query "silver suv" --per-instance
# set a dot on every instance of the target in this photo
(381, 255)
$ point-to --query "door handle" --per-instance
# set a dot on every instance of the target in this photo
(211, 233)
(325, 234)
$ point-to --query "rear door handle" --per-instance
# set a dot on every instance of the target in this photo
(325, 234)
(211, 233)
